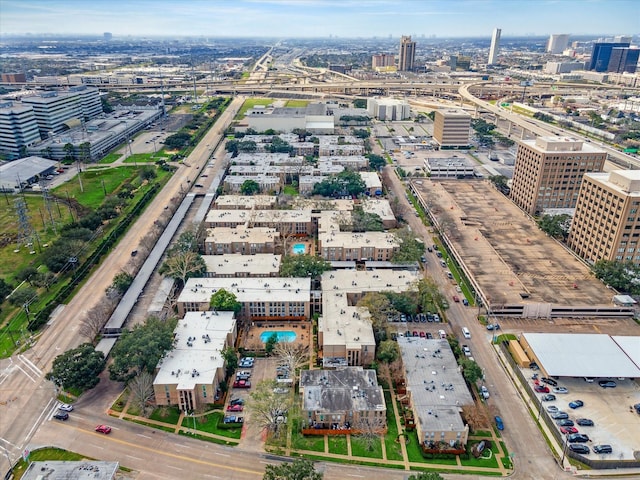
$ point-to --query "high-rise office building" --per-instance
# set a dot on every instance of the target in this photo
(451, 128)
(601, 55)
(18, 129)
(407, 56)
(549, 171)
(623, 59)
(558, 43)
(606, 222)
(495, 46)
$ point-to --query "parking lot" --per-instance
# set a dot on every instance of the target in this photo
(615, 421)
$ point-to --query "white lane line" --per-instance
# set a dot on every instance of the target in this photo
(177, 468)
(221, 454)
(39, 419)
(144, 436)
(30, 364)
(21, 369)
(135, 458)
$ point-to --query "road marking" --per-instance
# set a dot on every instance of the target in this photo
(29, 376)
(171, 466)
(30, 365)
(9, 443)
(354, 475)
(36, 424)
(135, 458)
(143, 436)
(96, 446)
(222, 454)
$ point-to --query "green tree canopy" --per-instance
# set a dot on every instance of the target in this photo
(623, 276)
(411, 249)
(556, 226)
(299, 469)
(78, 368)
(303, 266)
(346, 182)
(360, 103)
(141, 349)
(5, 289)
(230, 359)
(376, 162)
(182, 265)
(22, 296)
(177, 140)
(404, 302)
(388, 351)
(426, 476)
(225, 301)
(471, 371)
(250, 187)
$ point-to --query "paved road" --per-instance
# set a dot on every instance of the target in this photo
(26, 398)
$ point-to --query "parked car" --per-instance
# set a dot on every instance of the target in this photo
(636, 407)
(552, 409)
(242, 373)
(422, 335)
(576, 404)
(541, 388)
(560, 390)
(465, 302)
(577, 438)
(603, 449)
(415, 333)
(493, 326)
(236, 401)
(103, 429)
(549, 381)
(456, 298)
(565, 423)
(242, 384)
(65, 407)
(499, 423)
(242, 377)
(466, 350)
(568, 430)
(607, 384)
(232, 419)
(585, 422)
(559, 415)
(579, 448)
(61, 416)
(235, 408)
(484, 391)
(550, 397)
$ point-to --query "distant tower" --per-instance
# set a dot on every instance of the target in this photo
(558, 43)
(407, 55)
(107, 36)
(495, 46)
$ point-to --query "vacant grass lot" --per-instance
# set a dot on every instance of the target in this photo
(209, 423)
(297, 103)
(249, 103)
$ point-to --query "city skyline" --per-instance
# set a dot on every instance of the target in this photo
(300, 18)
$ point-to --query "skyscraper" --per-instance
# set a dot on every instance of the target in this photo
(495, 46)
(558, 43)
(601, 55)
(407, 55)
(623, 59)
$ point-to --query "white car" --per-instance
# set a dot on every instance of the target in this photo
(484, 391)
(65, 407)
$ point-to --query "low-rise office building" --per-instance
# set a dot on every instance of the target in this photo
(454, 167)
(189, 375)
(452, 128)
(347, 399)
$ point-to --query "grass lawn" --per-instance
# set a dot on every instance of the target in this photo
(360, 449)
(372, 463)
(311, 442)
(484, 460)
(219, 441)
(119, 404)
(481, 433)
(290, 190)
(110, 158)
(151, 425)
(394, 451)
(142, 158)
(249, 103)
(297, 103)
(209, 423)
(166, 414)
(94, 188)
(338, 444)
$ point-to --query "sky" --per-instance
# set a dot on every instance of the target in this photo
(320, 18)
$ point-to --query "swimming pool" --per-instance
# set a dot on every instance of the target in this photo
(299, 249)
(283, 335)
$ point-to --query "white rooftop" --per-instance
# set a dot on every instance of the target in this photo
(358, 240)
(258, 216)
(244, 201)
(581, 355)
(199, 290)
(241, 234)
(261, 264)
(196, 361)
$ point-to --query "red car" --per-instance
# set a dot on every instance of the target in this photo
(103, 429)
(568, 430)
(235, 408)
(242, 384)
(423, 335)
(415, 333)
(456, 298)
(541, 389)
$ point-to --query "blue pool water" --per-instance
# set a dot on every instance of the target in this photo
(299, 249)
(283, 335)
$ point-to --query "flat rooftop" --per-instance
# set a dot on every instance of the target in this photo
(379, 206)
(64, 470)
(246, 202)
(241, 234)
(199, 290)
(505, 251)
(200, 338)
(261, 264)
(438, 389)
(357, 239)
(585, 355)
(256, 216)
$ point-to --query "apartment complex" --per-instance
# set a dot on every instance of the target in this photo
(189, 375)
(549, 170)
(236, 265)
(407, 55)
(383, 62)
(451, 128)
(346, 399)
(495, 47)
(18, 129)
(241, 240)
(606, 223)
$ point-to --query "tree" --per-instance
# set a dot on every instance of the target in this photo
(623, 276)
(77, 369)
(22, 296)
(69, 150)
(293, 355)
(120, 284)
(230, 360)
(147, 173)
(426, 476)
(141, 390)
(405, 302)
(271, 343)
(556, 226)
(187, 242)
(346, 182)
(360, 132)
(268, 407)
(370, 431)
(379, 308)
(471, 371)
(376, 162)
(303, 266)
(182, 265)
(388, 351)
(84, 151)
(250, 187)
(27, 274)
(410, 250)
(429, 294)
(225, 301)
(299, 469)
(177, 140)
(141, 349)
(93, 321)
(5, 289)
(362, 221)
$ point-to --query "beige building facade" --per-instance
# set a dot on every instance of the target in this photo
(451, 128)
